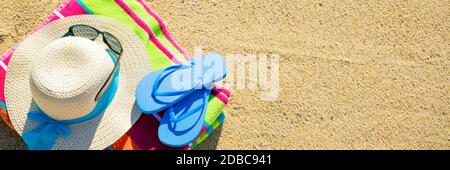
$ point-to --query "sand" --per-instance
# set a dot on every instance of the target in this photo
(353, 74)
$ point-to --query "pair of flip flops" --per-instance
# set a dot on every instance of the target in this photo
(182, 91)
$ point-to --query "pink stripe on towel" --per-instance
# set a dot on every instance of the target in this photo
(224, 90)
(221, 96)
(164, 29)
(72, 8)
(5, 60)
(144, 26)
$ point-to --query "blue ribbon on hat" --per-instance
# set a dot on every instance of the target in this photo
(44, 136)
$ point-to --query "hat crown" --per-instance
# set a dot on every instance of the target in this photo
(68, 75)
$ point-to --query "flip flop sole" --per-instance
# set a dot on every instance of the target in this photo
(146, 102)
(185, 131)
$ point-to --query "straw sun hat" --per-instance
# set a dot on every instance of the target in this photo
(53, 82)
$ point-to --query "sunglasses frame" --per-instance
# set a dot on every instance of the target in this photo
(119, 53)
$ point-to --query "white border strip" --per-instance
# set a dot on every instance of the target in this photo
(3, 65)
(156, 115)
(57, 13)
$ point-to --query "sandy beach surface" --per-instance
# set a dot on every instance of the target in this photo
(353, 74)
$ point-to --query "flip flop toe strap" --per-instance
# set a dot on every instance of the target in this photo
(167, 72)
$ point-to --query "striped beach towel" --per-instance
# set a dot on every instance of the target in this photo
(163, 52)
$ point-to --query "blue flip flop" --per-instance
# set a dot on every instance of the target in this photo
(161, 89)
(182, 123)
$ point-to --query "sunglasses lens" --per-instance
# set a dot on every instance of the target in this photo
(85, 31)
(113, 43)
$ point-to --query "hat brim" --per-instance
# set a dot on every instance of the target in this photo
(121, 114)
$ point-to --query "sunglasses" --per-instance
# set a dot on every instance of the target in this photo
(110, 40)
